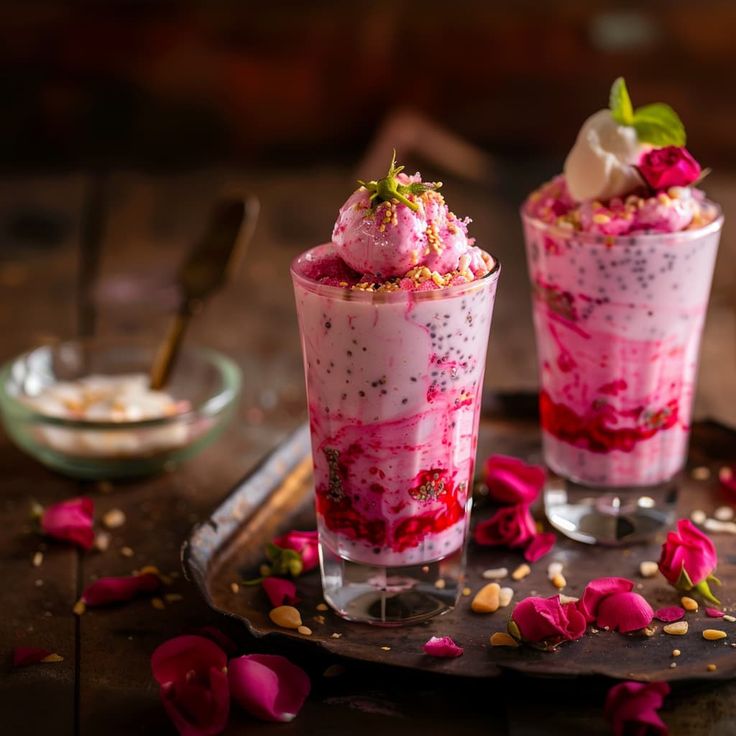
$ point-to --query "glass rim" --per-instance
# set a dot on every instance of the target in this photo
(378, 297)
(210, 406)
(644, 236)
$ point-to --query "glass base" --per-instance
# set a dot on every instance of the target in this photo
(609, 516)
(391, 596)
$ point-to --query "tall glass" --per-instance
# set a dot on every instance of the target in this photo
(618, 323)
(394, 383)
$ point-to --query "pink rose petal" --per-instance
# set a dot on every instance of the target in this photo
(198, 706)
(511, 480)
(548, 620)
(598, 589)
(727, 476)
(194, 686)
(540, 545)
(624, 612)
(70, 521)
(442, 646)
(106, 591)
(713, 613)
(632, 707)
(23, 656)
(268, 686)
(305, 543)
(219, 637)
(669, 614)
(509, 526)
(280, 592)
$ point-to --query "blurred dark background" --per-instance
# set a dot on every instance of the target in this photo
(123, 121)
(172, 84)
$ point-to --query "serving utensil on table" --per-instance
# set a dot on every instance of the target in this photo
(213, 260)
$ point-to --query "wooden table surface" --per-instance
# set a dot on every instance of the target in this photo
(136, 227)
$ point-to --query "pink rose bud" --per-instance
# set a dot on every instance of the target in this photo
(107, 591)
(280, 592)
(511, 480)
(689, 559)
(268, 686)
(442, 646)
(631, 708)
(546, 621)
(192, 673)
(667, 167)
(510, 526)
(70, 521)
(305, 543)
(540, 545)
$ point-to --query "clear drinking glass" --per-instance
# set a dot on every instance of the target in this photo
(618, 323)
(394, 383)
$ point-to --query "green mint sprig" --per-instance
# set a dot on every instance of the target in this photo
(388, 188)
(657, 123)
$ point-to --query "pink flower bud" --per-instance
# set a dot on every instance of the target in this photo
(667, 167)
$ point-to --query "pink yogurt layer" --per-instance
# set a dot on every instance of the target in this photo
(680, 208)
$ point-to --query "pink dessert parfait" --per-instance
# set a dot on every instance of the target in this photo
(621, 249)
(394, 315)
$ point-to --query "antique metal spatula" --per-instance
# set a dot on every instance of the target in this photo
(212, 261)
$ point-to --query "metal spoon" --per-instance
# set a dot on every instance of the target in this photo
(213, 260)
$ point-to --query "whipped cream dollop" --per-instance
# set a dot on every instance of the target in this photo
(601, 164)
(388, 238)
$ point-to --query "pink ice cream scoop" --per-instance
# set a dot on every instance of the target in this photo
(390, 226)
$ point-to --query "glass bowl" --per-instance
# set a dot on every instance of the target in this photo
(206, 382)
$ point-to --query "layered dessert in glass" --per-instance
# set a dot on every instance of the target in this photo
(621, 249)
(394, 315)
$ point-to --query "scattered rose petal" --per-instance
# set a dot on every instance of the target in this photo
(23, 656)
(540, 545)
(713, 613)
(631, 708)
(669, 614)
(510, 526)
(598, 589)
(70, 521)
(548, 621)
(689, 559)
(106, 591)
(219, 637)
(624, 612)
(727, 477)
(191, 671)
(305, 543)
(280, 592)
(511, 480)
(268, 686)
(442, 646)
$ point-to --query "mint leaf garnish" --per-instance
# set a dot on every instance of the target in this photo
(620, 103)
(389, 188)
(659, 125)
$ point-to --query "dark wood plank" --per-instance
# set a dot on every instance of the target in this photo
(38, 260)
